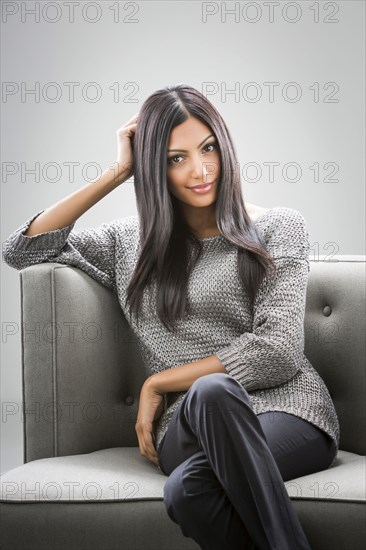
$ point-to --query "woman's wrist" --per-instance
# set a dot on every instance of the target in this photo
(153, 382)
(182, 377)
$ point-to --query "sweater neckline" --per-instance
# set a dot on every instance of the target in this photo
(213, 237)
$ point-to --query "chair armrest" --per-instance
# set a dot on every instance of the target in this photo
(81, 370)
(335, 339)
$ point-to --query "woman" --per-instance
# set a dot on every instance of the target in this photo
(215, 293)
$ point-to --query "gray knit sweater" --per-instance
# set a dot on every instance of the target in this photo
(261, 347)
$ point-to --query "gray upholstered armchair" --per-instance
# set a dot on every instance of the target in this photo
(84, 484)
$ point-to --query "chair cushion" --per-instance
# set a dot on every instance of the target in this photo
(345, 481)
(119, 473)
(122, 473)
(113, 499)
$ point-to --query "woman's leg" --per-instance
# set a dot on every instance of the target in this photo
(298, 447)
(196, 501)
(216, 423)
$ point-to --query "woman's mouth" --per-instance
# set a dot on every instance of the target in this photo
(204, 188)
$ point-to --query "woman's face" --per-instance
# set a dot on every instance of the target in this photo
(193, 158)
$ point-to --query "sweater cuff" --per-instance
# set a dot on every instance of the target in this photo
(232, 359)
(54, 239)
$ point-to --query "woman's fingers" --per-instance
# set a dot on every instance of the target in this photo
(146, 445)
(150, 449)
(132, 120)
(150, 406)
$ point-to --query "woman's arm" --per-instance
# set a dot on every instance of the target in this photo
(66, 211)
(272, 353)
(92, 250)
(182, 377)
(48, 235)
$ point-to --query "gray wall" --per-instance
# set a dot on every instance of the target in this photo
(312, 126)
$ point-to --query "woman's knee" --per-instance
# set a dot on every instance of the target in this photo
(212, 387)
(216, 394)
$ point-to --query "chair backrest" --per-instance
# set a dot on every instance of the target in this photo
(82, 371)
(335, 322)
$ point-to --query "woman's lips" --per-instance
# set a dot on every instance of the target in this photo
(202, 188)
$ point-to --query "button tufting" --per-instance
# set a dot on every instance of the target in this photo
(129, 400)
(327, 310)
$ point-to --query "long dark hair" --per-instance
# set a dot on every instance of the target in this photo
(164, 235)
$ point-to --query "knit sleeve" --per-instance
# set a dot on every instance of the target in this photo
(271, 354)
(92, 249)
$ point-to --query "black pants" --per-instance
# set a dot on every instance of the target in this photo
(227, 467)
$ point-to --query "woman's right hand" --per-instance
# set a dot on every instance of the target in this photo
(124, 160)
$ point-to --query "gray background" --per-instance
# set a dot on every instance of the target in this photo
(319, 55)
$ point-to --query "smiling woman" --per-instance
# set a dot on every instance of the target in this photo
(181, 143)
(220, 287)
(193, 174)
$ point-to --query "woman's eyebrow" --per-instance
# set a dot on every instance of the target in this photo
(185, 150)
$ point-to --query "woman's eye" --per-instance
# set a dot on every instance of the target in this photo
(210, 145)
(171, 159)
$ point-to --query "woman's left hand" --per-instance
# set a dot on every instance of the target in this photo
(151, 407)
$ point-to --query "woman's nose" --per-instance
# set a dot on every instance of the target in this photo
(199, 170)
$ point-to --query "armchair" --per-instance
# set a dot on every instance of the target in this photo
(84, 484)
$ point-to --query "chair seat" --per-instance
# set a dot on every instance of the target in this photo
(122, 473)
(345, 481)
(83, 503)
(119, 473)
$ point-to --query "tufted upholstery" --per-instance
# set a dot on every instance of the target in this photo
(84, 483)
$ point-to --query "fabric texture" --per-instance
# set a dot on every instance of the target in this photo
(211, 458)
(261, 345)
